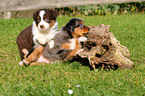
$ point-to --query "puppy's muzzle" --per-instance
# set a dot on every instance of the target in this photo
(42, 26)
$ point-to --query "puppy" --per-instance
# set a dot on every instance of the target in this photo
(42, 31)
(66, 43)
(44, 27)
(78, 32)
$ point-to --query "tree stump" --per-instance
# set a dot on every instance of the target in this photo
(103, 48)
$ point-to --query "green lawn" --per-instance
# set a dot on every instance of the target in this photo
(56, 79)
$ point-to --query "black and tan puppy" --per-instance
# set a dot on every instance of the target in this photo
(66, 43)
(42, 31)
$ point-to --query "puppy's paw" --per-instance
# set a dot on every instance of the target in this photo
(25, 51)
(26, 62)
(41, 41)
(21, 63)
(51, 44)
(79, 51)
(82, 39)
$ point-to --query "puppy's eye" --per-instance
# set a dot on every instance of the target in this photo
(47, 20)
(38, 20)
(81, 25)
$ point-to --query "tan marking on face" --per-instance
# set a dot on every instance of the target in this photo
(38, 17)
(80, 31)
(82, 22)
(52, 23)
(44, 17)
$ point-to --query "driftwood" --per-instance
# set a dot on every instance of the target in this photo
(103, 48)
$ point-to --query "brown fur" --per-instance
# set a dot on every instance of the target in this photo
(52, 22)
(25, 41)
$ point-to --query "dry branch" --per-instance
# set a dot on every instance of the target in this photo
(103, 48)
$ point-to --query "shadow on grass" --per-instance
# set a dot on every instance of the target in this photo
(100, 66)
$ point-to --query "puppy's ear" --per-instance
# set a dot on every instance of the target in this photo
(52, 14)
(35, 14)
(70, 26)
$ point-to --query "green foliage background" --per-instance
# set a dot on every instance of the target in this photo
(104, 9)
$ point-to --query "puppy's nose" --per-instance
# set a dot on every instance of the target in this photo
(41, 26)
(86, 34)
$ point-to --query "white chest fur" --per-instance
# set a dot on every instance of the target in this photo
(43, 37)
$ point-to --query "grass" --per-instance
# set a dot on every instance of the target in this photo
(56, 79)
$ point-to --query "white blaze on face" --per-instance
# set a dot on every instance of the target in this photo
(43, 25)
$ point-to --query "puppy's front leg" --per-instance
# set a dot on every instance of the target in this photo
(33, 56)
(69, 46)
(75, 44)
(73, 51)
(41, 41)
(81, 40)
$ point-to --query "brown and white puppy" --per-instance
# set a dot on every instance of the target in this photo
(44, 27)
(42, 31)
(66, 44)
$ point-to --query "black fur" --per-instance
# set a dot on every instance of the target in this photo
(71, 25)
